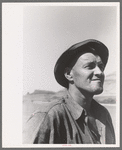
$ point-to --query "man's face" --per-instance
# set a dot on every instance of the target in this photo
(87, 73)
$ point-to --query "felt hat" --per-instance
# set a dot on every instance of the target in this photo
(75, 51)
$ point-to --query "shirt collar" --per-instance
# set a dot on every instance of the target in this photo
(75, 109)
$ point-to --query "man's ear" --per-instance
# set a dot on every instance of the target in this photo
(68, 74)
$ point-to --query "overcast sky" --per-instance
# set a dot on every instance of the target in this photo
(49, 30)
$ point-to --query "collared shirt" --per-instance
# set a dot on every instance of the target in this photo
(65, 121)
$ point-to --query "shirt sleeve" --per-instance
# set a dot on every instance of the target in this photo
(50, 130)
(44, 132)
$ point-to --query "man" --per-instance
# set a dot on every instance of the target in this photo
(75, 118)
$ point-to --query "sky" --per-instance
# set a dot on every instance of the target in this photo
(49, 30)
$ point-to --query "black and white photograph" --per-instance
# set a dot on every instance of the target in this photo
(70, 67)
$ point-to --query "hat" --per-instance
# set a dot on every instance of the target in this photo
(69, 55)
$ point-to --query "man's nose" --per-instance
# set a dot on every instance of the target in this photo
(98, 71)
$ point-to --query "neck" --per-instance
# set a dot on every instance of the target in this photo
(82, 98)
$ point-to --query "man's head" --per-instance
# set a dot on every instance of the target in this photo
(82, 65)
(86, 73)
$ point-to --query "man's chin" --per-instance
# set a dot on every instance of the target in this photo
(97, 92)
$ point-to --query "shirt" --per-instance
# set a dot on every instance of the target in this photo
(64, 121)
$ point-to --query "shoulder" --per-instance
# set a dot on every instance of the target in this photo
(47, 107)
(45, 114)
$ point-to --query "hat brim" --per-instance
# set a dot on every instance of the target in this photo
(68, 56)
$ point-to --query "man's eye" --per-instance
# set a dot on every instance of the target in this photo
(90, 66)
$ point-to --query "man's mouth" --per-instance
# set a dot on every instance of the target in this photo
(97, 80)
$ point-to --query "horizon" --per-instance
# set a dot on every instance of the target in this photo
(62, 88)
